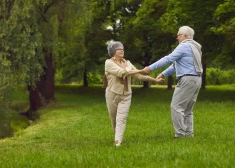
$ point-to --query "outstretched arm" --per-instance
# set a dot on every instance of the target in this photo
(148, 78)
(157, 80)
(146, 71)
(133, 72)
(160, 76)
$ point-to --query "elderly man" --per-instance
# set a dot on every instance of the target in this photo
(186, 59)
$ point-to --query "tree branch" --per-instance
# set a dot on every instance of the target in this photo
(46, 8)
(49, 5)
(42, 14)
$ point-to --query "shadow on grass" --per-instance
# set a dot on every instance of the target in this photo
(12, 121)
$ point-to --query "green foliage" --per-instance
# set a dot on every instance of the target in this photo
(225, 26)
(216, 76)
(224, 9)
(94, 78)
(143, 33)
(74, 53)
(225, 59)
(20, 47)
(10, 120)
(76, 33)
(199, 15)
(147, 29)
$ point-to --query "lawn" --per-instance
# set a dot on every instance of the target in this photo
(76, 132)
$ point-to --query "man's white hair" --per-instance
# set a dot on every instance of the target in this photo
(187, 31)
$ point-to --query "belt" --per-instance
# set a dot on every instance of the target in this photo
(187, 75)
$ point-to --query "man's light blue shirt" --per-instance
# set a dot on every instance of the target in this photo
(182, 59)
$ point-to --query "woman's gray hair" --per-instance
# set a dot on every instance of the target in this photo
(112, 46)
(187, 31)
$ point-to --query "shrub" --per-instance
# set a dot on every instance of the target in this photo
(216, 76)
(94, 78)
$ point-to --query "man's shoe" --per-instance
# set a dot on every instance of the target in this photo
(117, 143)
(178, 137)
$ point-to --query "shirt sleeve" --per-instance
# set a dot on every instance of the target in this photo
(169, 71)
(175, 55)
(114, 69)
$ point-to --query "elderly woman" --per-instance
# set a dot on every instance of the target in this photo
(118, 72)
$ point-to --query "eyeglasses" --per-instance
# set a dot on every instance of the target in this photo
(179, 35)
(120, 49)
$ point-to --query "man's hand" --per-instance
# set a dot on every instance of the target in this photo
(146, 71)
(160, 78)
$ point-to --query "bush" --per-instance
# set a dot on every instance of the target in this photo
(216, 76)
(94, 79)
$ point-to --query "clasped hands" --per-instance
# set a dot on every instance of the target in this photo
(147, 71)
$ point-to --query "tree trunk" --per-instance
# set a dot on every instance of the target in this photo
(85, 81)
(146, 84)
(45, 87)
(204, 76)
(170, 82)
(47, 79)
(42, 86)
(34, 99)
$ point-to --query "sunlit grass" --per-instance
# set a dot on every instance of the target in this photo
(76, 132)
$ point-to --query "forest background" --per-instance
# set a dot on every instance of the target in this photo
(48, 42)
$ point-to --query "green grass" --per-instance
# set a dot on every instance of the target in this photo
(76, 132)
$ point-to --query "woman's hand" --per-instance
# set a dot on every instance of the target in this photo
(160, 78)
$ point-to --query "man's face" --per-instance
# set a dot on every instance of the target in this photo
(181, 37)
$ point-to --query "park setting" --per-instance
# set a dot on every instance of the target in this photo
(55, 56)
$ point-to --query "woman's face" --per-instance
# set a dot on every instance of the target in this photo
(119, 53)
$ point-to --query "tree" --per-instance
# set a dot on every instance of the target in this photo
(224, 28)
(85, 40)
(20, 46)
(46, 15)
(73, 56)
(30, 46)
(143, 33)
(197, 14)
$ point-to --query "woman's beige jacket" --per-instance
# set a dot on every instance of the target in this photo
(115, 75)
